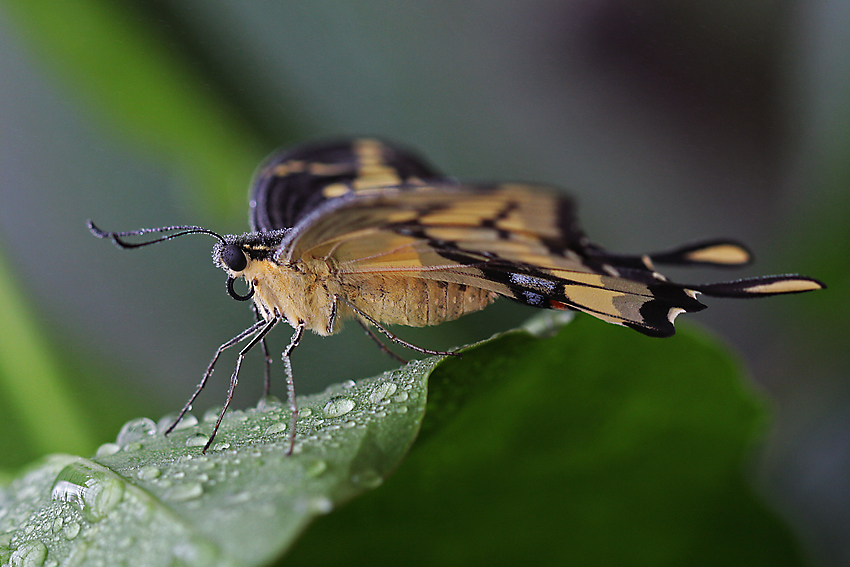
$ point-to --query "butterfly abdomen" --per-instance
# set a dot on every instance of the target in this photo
(415, 302)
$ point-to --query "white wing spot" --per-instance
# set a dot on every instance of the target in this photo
(525, 280)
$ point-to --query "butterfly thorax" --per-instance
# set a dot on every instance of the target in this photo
(301, 291)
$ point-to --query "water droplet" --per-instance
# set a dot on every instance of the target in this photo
(184, 492)
(276, 428)
(211, 415)
(107, 449)
(221, 447)
(367, 479)
(195, 552)
(93, 492)
(124, 542)
(315, 468)
(348, 384)
(197, 440)
(71, 530)
(136, 430)
(168, 420)
(58, 522)
(29, 554)
(401, 409)
(382, 391)
(240, 497)
(269, 403)
(322, 505)
(338, 406)
(401, 397)
(149, 472)
(304, 412)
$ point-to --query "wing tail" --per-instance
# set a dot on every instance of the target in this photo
(763, 286)
(723, 253)
(719, 252)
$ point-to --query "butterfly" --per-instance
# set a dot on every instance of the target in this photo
(366, 230)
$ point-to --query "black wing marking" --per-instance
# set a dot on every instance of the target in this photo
(291, 184)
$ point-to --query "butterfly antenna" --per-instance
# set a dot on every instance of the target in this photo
(118, 237)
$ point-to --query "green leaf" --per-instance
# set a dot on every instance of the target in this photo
(596, 447)
(593, 447)
(157, 500)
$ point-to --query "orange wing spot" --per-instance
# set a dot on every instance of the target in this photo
(555, 304)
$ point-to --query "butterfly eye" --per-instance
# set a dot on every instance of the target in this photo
(234, 258)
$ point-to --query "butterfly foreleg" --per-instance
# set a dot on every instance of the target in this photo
(210, 367)
(234, 378)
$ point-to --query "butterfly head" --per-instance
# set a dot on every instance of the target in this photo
(245, 256)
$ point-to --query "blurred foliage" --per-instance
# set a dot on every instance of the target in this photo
(109, 54)
(38, 413)
(53, 400)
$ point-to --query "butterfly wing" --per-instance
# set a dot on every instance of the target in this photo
(518, 241)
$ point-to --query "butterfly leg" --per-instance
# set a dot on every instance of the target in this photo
(391, 336)
(290, 384)
(378, 342)
(237, 339)
(234, 378)
(267, 381)
(369, 332)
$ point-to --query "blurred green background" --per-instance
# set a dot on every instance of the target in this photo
(669, 121)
